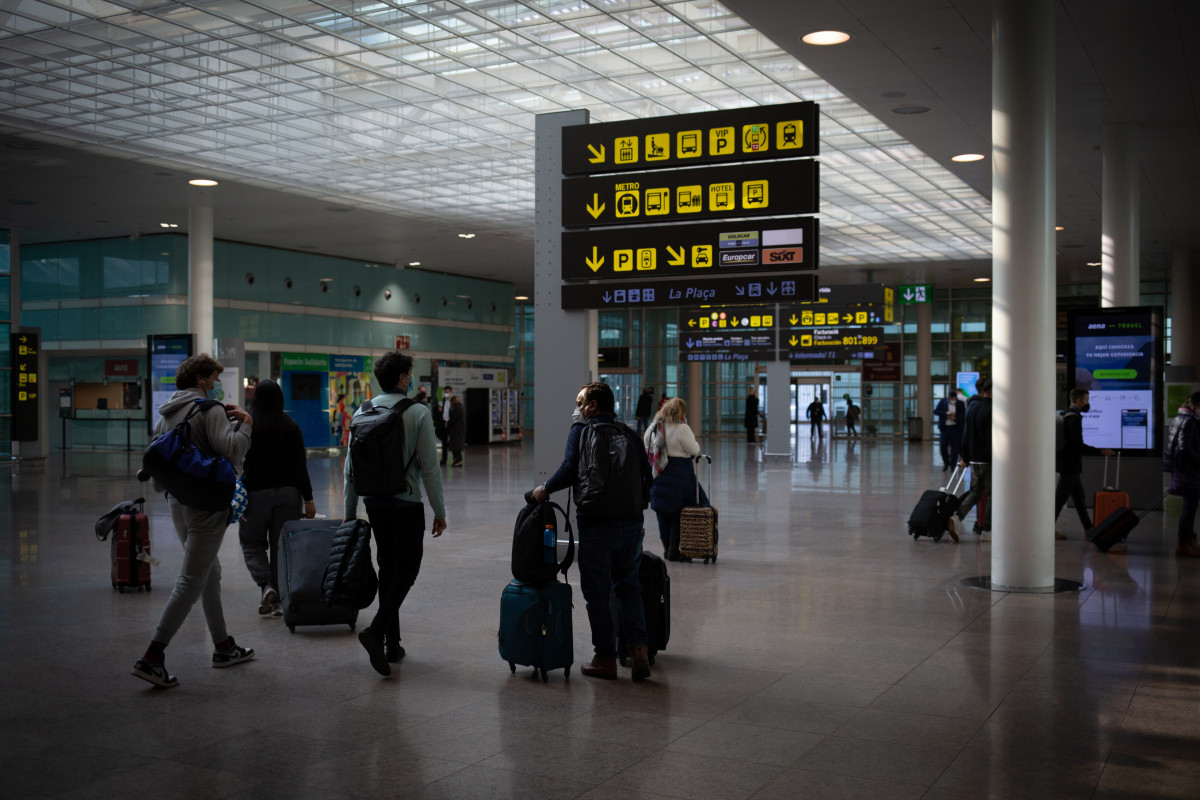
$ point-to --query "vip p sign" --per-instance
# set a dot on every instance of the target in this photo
(919, 293)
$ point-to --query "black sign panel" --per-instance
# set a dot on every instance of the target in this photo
(711, 248)
(830, 355)
(740, 190)
(681, 292)
(709, 137)
(821, 315)
(857, 338)
(712, 345)
(853, 293)
(26, 385)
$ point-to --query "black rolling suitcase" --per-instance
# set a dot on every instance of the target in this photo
(1117, 525)
(932, 513)
(304, 546)
(656, 599)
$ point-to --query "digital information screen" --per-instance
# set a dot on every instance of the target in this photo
(1117, 355)
(166, 353)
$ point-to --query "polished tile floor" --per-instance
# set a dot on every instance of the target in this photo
(826, 655)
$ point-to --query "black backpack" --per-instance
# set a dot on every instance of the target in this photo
(350, 579)
(532, 559)
(377, 450)
(187, 471)
(610, 483)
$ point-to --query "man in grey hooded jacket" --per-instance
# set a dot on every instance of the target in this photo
(201, 532)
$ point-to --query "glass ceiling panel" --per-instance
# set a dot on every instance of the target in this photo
(410, 106)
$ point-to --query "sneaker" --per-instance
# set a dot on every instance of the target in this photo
(276, 609)
(1188, 549)
(374, 648)
(232, 655)
(985, 536)
(269, 598)
(154, 673)
(954, 525)
(393, 651)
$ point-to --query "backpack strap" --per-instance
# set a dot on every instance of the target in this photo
(569, 558)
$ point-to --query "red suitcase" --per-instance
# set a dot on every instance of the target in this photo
(1109, 499)
(131, 553)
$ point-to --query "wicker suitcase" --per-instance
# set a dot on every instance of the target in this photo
(698, 526)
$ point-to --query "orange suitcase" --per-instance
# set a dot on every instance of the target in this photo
(1109, 499)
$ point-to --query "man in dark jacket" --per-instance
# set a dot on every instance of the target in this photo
(610, 542)
(951, 412)
(644, 410)
(816, 415)
(977, 452)
(1068, 461)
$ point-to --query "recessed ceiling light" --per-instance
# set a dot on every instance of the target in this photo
(983, 280)
(825, 37)
(202, 182)
(1093, 264)
(1059, 228)
(520, 297)
(326, 280)
(466, 236)
(910, 109)
(968, 157)
(414, 263)
(168, 224)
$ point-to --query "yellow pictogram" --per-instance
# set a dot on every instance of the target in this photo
(689, 199)
(756, 322)
(658, 146)
(789, 134)
(596, 208)
(690, 144)
(702, 256)
(676, 257)
(768, 321)
(597, 155)
(646, 258)
(658, 201)
(704, 322)
(806, 318)
(756, 138)
(722, 196)
(860, 317)
(722, 141)
(806, 340)
(831, 318)
(625, 150)
(595, 261)
(754, 194)
(622, 261)
(627, 203)
(819, 318)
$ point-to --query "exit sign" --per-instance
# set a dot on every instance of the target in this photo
(402, 342)
(920, 293)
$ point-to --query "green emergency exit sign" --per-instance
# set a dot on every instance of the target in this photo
(919, 293)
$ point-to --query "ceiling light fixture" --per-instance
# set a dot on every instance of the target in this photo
(466, 236)
(983, 280)
(1093, 264)
(520, 297)
(1059, 228)
(825, 37)
(202, 182)
(414, 263)
(968, 157)
(910, 109)
(168, 225)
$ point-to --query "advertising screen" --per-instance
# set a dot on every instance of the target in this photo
(167, 352)
(1117, 354)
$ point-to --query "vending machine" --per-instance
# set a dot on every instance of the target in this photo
(514, 415)
(497, 416)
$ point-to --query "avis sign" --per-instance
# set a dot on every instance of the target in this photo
(917, 293)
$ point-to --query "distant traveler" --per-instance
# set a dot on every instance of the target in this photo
(951, 413)
(977, 452)
(1181, 457)
(276, 480)
(456, 430)
(606, 466)
(675, 487)
(645, 400)
(216, 431)
(750, 418)
(853, 413)
(398, 520)
(1069, 460)
(444, 415)
(816, 415)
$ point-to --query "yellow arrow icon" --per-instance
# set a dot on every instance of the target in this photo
(792, 341)
(691, 323)
(794, 320)
(596, 208)
(676, 256)
(733, 322)
(596, 261)
(597, 155)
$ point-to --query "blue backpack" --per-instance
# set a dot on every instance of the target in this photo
(190, 475)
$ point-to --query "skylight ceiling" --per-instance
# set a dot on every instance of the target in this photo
(428, 107)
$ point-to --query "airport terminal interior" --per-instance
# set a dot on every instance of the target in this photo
(389, 174)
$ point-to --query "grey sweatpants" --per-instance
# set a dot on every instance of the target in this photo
(199, 578)
(258, 531)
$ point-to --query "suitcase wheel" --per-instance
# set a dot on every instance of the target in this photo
(291, 628)
(545, 677)
(147, 586)
(705, 559)
(567, 673)
(120, 590)
(512, 668)
(352, 625)
(651, 660)
(714, 558)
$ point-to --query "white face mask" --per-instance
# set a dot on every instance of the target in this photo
(576, 415)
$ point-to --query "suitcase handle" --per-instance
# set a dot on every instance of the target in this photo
(1112, 488)
(696, 460)
(956, 479)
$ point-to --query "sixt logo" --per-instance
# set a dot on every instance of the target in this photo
(784, 255)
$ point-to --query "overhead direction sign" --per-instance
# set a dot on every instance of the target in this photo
(744, 134)
(26, 384)
(722, 248)
(856, 338)
(689, 292)
(917, 293)
(728, 346)
(704, 320)
(824, 314)
(740, 190)
(856, 293)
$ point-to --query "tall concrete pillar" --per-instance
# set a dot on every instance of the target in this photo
(1023, 295)
(1185, 299)
(779, 427)
(564, 342)
(924, 368)
(200, 267)
(1120, 267)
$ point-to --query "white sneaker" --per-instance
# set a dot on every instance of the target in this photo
(986, 536)
(269, 598)
(954, 526)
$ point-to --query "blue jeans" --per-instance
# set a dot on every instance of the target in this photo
(1187, 517)
(609, 553)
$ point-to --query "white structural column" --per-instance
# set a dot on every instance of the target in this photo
(779, 424)
(200, 268)
(1023, 331)
(924, 368)
(1120, 270)
(564, 342)
(1184, 305)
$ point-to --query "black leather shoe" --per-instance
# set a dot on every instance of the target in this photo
(374, 648)
(641, 662)
(393, 651)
